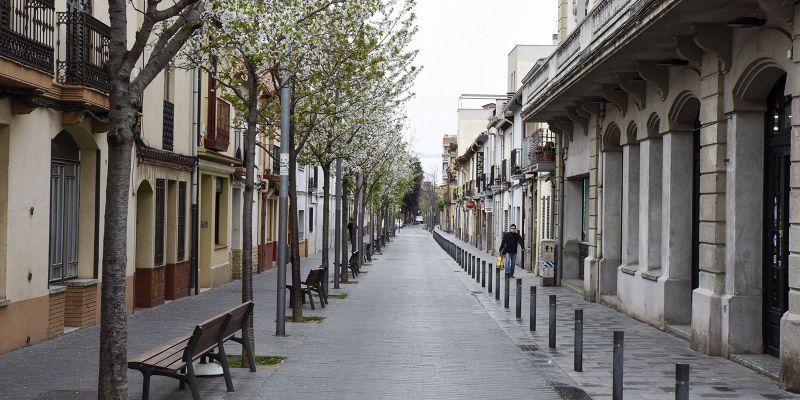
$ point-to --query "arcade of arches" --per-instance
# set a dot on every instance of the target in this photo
(692, 223)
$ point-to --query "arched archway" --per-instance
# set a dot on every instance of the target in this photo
(610, 198)
(149, 286)
(757, 226)
(681, 208)
(630, 198)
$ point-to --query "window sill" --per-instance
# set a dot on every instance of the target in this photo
(4, 302)
(629, 269)
(652, 275)
(220, 246)
(56, 289)
(81, 282)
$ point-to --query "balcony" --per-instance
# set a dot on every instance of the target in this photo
(542, 153)
(496, 178)
(516, 164)
(26, 32)
(218, 138)
(84, 41)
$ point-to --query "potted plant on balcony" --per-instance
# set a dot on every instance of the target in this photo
(546, 152)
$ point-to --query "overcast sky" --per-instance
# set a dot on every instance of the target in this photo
(463, 48)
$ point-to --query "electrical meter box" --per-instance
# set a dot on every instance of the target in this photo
(547, 256)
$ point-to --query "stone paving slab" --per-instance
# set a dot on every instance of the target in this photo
(650, 355)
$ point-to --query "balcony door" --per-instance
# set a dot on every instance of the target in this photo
(64, 204)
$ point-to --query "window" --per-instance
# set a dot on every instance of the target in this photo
(301, 225)
(311, 219)
(585, 211)
(168, 126)
(159, 248)
(218, 212)
(181, 221)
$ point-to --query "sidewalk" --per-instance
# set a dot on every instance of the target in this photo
(66, 367)
(650, 355)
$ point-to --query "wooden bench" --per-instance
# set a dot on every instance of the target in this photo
(314, 283)
(175, 357)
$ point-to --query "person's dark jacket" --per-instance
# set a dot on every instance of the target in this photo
(510, 242)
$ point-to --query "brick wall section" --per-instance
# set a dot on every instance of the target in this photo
(80, 303)
(176, 283)
(55, 323)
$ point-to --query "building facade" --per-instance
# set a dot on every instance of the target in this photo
(675, 168)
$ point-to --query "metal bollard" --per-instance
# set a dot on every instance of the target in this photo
(497, 279)
(533, 308)
(505, 297)
(681, 381)
(472, 272)
(552, 332)
(483, 273)
(578, 361)
(478, 269)
(490, 277)
(519, 298)
(619, 340)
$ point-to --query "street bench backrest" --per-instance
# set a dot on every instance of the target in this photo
(315, 277)
(239, 316)
(205, 336)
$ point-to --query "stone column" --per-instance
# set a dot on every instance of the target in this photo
(741, 304)
(630, 205)
(591, 266)
(650, 165)
(611, 210)
(707, 298)
(790, 323)
(676, 230)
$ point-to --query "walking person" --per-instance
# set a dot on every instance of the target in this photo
(508, 249)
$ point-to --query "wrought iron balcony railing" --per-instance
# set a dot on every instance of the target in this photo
(542, 152)
(84, 41)
(26, 32)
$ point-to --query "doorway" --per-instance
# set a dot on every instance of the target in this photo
(777, 145)
(64, 207)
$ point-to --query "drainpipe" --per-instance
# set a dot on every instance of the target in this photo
(559, 266)
(194, 267)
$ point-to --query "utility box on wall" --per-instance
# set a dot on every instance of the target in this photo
(547, 252)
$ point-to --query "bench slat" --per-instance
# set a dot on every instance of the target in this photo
(179, 342)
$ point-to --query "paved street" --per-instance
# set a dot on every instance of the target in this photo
(650, 355)
(413, 327)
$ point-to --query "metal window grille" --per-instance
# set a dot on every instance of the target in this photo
(276, 165)
(181, 221)
(159, 245)
(169, 126)
(87, 41)
(26, 32)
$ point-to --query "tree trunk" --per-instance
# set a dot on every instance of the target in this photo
(247, 203)
(113, 371)
(326, 217)
(294, 234)
(344, 262)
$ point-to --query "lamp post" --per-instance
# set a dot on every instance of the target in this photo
(283, 200)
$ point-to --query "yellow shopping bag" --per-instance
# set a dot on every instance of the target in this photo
(500, 262)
